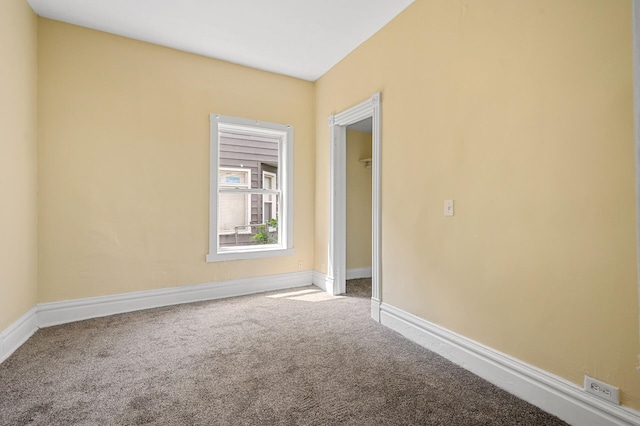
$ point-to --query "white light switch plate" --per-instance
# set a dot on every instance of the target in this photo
(448, 207)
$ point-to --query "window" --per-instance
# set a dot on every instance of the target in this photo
(251, 189)
(269, 204)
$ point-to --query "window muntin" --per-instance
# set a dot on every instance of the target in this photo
(251, 185)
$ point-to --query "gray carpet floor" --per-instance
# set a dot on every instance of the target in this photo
(294, 357)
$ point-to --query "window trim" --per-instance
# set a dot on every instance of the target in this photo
(228, 124)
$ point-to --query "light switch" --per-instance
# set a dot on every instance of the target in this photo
(448, 207)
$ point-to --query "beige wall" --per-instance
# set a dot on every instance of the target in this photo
(522, 113)
(18, 167)
(358, 200)
(124, 162)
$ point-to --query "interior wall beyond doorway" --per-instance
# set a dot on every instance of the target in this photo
(358, 200)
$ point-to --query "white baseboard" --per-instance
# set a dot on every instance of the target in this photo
(322, 281)
(355, 273)
(551, 393)
(12, 337)
(55, 313)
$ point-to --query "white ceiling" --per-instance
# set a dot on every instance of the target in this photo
(299, 38)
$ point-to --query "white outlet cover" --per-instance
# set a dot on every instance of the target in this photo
(602, 390)
(448, 207)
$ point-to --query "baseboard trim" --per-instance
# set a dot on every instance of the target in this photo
(322, 281)
(551, 393)
(12, 337)
(355, 273)
(55, 313)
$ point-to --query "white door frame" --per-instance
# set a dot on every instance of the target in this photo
(337, 262)
(636, 103)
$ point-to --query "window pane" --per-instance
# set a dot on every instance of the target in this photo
(233, 212)
(256, 154)
(234, 178)
(237, 230)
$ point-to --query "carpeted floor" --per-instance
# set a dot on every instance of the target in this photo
(296, 357)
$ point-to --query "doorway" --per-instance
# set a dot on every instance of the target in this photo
(338, 123)
(358, 198)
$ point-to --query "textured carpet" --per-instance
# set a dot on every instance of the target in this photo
(296, 357)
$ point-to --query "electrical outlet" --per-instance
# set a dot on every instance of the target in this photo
(299, 264)
(601, 389)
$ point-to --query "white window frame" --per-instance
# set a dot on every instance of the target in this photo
(284, 133)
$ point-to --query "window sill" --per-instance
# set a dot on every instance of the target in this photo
(249, 254)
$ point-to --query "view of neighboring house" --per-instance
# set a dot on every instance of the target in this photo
(248, 162)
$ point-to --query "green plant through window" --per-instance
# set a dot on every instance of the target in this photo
(263, 236)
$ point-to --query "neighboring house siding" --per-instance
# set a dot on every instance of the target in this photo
(254, 153)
